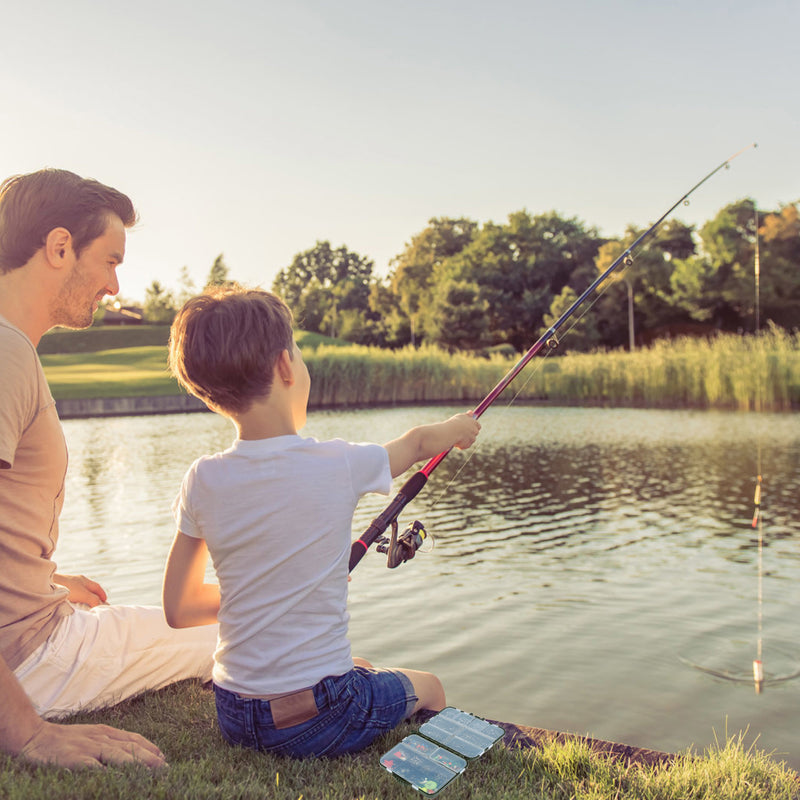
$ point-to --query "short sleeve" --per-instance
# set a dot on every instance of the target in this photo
(369, 468)
(19, 390)
(182, 506)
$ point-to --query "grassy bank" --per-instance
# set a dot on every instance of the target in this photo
(729, 372)
(111, 337)
(181, 721)
(104, 337)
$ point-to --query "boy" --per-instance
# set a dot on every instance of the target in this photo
(275, 513)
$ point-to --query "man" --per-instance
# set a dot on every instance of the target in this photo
(62, 648)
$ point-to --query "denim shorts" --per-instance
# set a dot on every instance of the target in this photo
(354, 709)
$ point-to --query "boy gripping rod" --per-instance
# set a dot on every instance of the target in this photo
(275, 513)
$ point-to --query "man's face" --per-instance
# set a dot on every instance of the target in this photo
(91, 277)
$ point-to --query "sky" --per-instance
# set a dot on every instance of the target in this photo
(254, 128)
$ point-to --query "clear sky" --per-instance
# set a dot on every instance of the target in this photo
(254, 128)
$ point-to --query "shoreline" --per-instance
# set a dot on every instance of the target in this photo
(82, 408)
(530, 738)
(85, 408)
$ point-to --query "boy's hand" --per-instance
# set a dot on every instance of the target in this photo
(427, 441)
(466, 429)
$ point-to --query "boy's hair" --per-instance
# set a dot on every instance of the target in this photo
(32, 205)
(224, 344)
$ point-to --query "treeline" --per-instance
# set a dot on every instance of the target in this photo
(461, 285)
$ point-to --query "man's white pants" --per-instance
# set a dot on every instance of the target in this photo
(100, 656)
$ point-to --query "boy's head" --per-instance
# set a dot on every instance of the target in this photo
(224, 344)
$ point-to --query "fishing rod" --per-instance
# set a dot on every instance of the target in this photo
(402, 548)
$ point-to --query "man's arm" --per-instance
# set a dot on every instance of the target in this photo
(186, 598)
(427, 441)
(23, 733)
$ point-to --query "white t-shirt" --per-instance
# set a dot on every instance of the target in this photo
(277, 517)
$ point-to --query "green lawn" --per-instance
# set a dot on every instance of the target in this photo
(119, 370)
(181, 721)
(128, 372)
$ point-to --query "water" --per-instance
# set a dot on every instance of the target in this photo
(595, 571)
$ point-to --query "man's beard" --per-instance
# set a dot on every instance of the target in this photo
(72, 308)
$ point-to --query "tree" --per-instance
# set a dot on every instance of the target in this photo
(644, 287)
(580, 333)
(219, 273)
(413, 269)
(519, 268)
(458, 318)
(716, 284)
(159, 304)
(780, 259)
(186, 287)
(391, 327)
(327, 288)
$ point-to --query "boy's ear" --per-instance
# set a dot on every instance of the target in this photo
(284, 368)
(57, 247)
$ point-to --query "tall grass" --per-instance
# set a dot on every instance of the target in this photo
(369, 375)
(727, 372)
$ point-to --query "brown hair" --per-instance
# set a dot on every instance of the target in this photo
(32, 205)
(224, 344)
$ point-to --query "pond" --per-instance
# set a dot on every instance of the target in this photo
(594, 570)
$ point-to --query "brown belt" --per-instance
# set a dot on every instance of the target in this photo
(289, 709)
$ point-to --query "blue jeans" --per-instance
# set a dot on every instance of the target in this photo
(354, 709)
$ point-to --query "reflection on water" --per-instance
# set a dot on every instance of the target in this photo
(594, 570)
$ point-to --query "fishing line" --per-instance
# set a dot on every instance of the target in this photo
(549, 339)
(787, 668)
(503, 411)
(758, 520)
(473, 451)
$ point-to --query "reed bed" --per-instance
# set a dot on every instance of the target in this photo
(360, 376)
(726, 372)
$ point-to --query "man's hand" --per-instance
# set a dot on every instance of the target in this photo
(82, 590)
(75, 746)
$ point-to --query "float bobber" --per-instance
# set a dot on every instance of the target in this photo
(758, 675)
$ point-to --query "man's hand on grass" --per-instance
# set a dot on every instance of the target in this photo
(75, 746)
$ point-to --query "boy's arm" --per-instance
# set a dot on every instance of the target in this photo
(187, 599)
(427, 441)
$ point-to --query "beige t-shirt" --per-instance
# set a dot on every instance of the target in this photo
(33, 464)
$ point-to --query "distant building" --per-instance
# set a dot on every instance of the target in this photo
(124, 315)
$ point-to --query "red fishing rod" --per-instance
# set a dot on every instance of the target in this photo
(402, 548)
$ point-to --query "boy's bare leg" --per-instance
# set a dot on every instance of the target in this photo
(428, 688)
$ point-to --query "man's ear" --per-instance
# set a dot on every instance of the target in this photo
(58, 247)
(284, 368)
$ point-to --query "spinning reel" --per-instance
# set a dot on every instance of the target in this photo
(403, 548)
